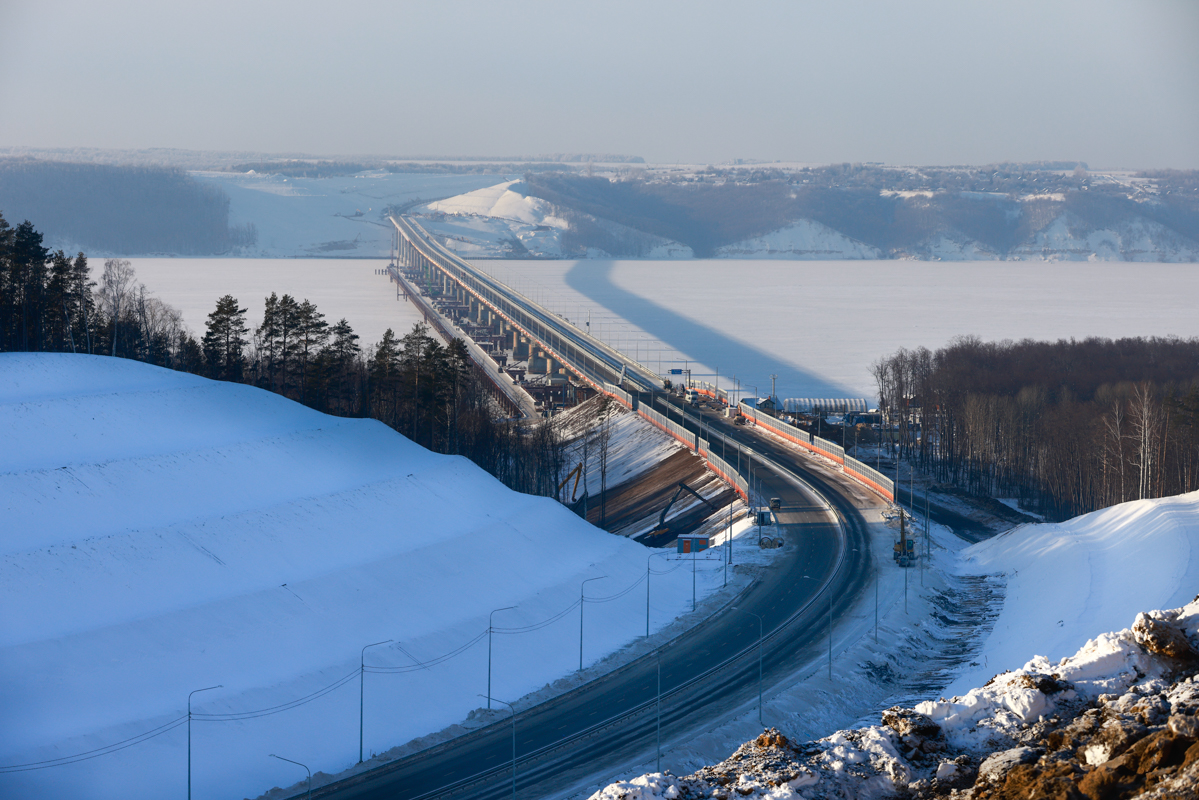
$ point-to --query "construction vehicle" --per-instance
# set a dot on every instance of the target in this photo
(662, 517)
(575, 473)
(905, 548)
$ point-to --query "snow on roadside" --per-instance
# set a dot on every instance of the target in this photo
(1064, 582)
(1091, 573)
(166, 533)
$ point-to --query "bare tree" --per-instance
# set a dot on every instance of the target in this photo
(1146, 421)
(116, 290)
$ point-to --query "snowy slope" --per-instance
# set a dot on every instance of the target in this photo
(502, 201)
(165, 533)
(1068, 581)
(1069, 239)
(495, 222)
(805, 239)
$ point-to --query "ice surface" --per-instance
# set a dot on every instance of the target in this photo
(819, 325)
(349, 288)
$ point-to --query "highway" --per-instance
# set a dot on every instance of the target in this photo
(710, 671)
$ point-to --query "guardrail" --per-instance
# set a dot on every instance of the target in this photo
(867, 476)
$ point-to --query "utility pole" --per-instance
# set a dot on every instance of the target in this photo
(189, 737)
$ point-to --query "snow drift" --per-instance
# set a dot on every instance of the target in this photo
(166, 533)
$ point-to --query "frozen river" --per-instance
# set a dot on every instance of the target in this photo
(817, 325)
(348, 287)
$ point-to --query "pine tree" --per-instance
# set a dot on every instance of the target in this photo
(8, 290)
(311, 334)
(82, 303)
(225, 341)
(28, 258)
(58, 289)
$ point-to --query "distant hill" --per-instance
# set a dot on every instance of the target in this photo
(129, 210)
(997, 212)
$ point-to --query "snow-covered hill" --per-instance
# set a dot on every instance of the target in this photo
(1050, 689)
(165, 533)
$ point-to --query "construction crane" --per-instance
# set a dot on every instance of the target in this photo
(682, 488)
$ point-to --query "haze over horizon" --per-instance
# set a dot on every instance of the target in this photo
(1114, 84)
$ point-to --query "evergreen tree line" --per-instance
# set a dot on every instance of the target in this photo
(1066, 427)
(430, 392)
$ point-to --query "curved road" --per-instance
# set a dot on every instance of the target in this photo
(707, 672)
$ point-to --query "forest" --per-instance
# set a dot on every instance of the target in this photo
(121, 209)
(430, 392)
(1065, 427)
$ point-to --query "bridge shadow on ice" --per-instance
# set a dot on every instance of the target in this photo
(704, 344)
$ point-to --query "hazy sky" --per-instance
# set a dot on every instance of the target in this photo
(1112, 83)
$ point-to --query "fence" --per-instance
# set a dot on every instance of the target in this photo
(871, 478)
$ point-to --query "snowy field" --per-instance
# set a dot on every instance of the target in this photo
(329, 216)
(345, 287)
(166, 533)
(819, 325)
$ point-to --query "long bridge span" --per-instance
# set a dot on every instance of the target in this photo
(549, 341)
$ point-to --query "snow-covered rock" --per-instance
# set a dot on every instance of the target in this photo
(1116, 719)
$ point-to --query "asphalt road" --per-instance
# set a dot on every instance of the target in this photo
(590, 732)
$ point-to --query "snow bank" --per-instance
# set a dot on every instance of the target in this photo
(1091, 573)
(166, 533)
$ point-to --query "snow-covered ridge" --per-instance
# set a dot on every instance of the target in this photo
(165, 533)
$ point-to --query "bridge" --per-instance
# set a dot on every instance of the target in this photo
(708, 671)
(552, 344)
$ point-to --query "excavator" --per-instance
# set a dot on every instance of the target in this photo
(575, 473)
(662, 517)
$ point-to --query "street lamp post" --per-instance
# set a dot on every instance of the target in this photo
(189, 736)
(362, 691)
(647, 574)
(582, 602)
(830, 629)
(512, 711)
(298, 764)
(658, 707)
(489, 630)
(752, 614)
